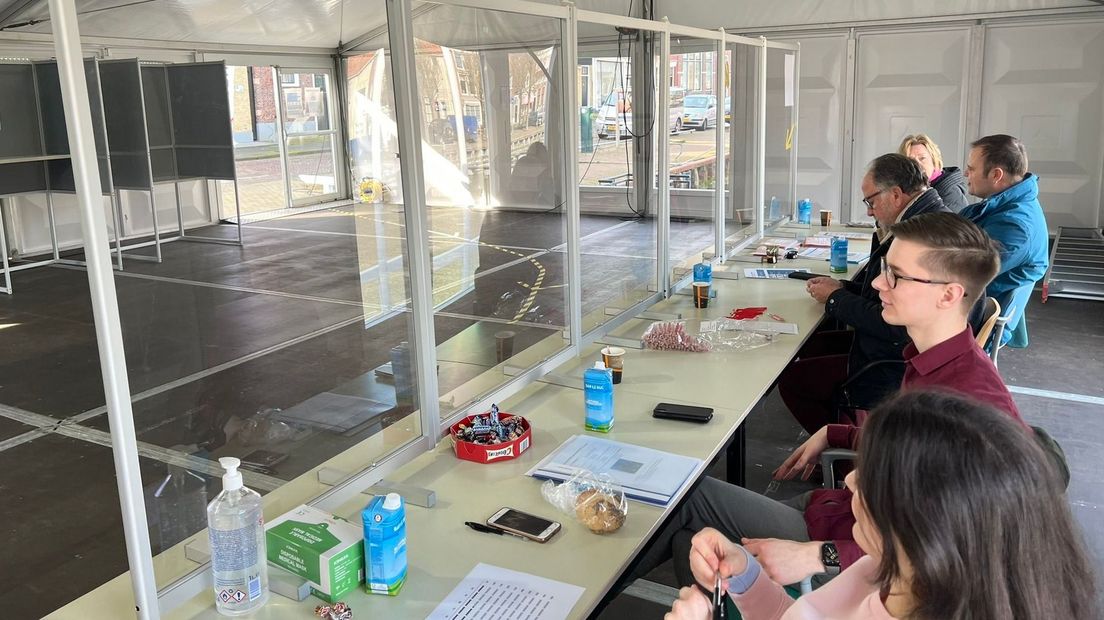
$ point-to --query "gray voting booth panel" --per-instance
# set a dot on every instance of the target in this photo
(124, 119)
(155, 90)
(19, 127)
(55, 134)
(202, 137)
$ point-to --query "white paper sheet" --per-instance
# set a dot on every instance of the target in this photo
(493, 593)
(789, 77)
(646, 475)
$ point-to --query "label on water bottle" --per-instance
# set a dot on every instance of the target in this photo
(838, 262)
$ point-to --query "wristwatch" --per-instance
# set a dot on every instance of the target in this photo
(829, 557)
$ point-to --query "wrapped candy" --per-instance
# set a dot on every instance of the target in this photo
(672, 336)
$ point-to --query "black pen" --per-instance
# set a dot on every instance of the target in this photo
(479, 527)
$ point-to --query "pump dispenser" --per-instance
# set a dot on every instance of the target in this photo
(232, 479)
(235, 524)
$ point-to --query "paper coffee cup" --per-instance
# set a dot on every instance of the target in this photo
(701, 294)
(614, 358)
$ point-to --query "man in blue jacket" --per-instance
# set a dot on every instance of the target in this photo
(1010, 213)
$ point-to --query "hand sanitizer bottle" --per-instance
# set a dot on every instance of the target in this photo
(598, 395)
(235, 523)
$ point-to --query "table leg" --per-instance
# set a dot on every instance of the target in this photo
(736, 457)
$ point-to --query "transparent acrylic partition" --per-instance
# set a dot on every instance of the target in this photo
(493, 149)
(741, 214)
(291, 353)
(697, 113)
(780, 204)
(618, 206)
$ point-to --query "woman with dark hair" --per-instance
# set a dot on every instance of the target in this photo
(960, 514)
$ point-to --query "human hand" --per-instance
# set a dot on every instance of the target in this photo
(712, 553)
(822, 287)
(786, 561)
(804, 458)
(691, 605)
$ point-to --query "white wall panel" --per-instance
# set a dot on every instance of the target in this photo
(1042, 84)
(908, 82)
(819, 151)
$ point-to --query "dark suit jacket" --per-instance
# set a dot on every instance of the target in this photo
(857, 306)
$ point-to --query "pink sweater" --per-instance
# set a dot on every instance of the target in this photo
(852, 595)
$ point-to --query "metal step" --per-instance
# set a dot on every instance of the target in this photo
(1076, 264)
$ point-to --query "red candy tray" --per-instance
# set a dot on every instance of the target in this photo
(487, 453)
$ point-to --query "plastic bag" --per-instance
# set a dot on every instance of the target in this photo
(723, 337)
(672, 336)
(595, 501)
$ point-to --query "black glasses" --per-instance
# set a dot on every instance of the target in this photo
(892, 277)
(867, 199)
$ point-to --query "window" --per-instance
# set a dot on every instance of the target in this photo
(289, 79)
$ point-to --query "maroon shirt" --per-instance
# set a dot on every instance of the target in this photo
(958, 365)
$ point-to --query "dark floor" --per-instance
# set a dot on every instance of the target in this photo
(291, 344)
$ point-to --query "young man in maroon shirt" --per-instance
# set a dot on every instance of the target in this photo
(933, 273)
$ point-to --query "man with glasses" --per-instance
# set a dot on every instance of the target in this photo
(894, 189)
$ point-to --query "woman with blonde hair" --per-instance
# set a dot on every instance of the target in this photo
(949, 182)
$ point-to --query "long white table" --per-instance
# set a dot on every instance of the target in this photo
(442, 550)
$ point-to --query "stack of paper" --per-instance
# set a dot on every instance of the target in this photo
(770, 274)
(646, 475)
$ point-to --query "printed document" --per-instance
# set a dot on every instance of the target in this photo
(646, 475)
(493, 593)
(769, 274)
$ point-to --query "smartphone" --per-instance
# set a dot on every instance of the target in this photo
(685, 413)
(802, 275)
(524, 524)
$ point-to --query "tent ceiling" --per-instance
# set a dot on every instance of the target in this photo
(754, 14)
(328, 23)
(283, 23)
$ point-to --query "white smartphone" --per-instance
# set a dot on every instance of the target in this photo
(524, 524)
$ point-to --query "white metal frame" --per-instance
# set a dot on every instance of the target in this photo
(105, 307)
(400, 33)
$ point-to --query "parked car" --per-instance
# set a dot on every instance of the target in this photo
(699, 111)
(615, 115)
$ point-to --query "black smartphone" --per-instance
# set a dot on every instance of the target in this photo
(524, 524)
(802, 275)
(685, 413)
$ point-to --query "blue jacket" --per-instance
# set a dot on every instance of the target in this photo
(1015, 219)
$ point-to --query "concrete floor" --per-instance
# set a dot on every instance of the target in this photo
(232, 348)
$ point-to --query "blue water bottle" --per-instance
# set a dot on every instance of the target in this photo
(385, 544)
(703, 272)
(839, 255)
(598, 397)
(804, 211)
